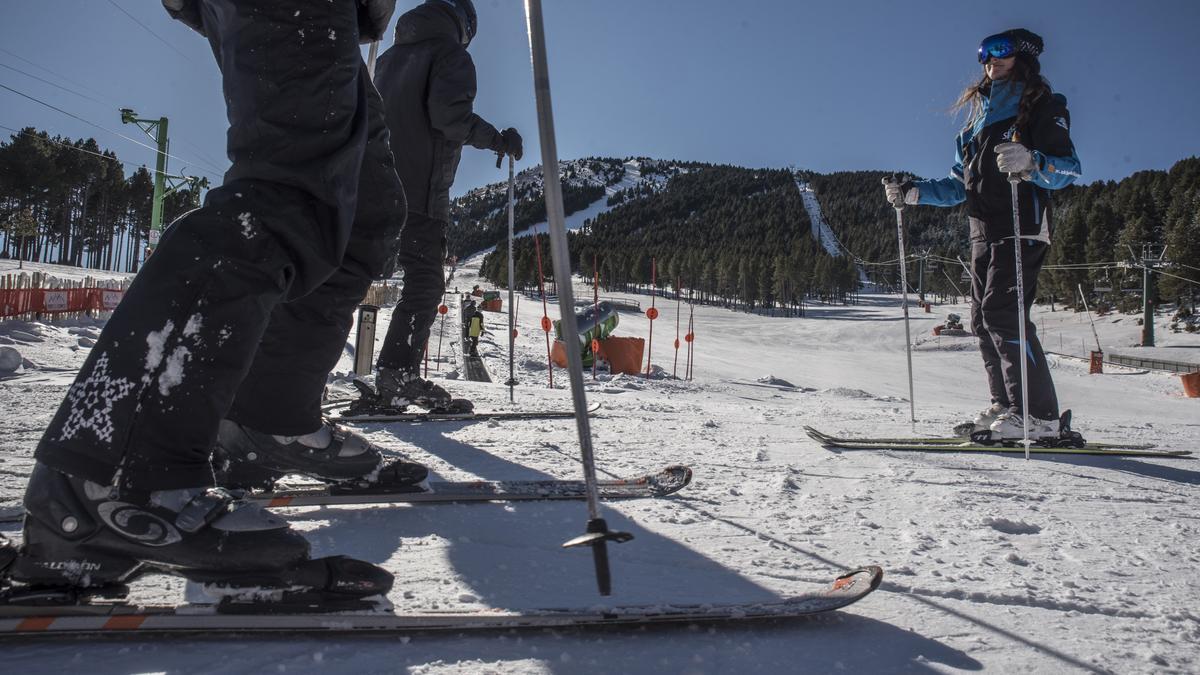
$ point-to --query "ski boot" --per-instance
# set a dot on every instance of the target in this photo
(1048, 433)
(395, 389)
(251, 460)
(983, 420)
(83, 539)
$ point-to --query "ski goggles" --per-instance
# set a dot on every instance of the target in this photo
(998, 46)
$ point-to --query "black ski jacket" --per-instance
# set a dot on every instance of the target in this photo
(977, 179)
(373, 15)
(427, 80)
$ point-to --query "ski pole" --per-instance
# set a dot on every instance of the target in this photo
(598, 534)
(1089, 313)
(912, 405)
(512, 313)
(371, 54)
(1014, 180)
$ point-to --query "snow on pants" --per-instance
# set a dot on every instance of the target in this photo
(257, 287)
(422, 254)
(994, 321)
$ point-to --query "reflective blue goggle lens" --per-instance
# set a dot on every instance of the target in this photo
(997, 47)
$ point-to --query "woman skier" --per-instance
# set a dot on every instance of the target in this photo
(1017, 126)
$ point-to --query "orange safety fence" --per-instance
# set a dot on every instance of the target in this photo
(21, 301)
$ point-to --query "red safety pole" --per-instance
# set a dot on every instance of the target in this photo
(651, 313)
(596, 313)
(691, 336)
(442, 309)
(546, 325)
(678, 301)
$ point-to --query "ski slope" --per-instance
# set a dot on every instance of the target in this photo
(820, 227)
(991, 562)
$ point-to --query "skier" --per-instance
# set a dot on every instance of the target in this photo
(428, 84)
(474, 328)
(238, 315)
(1017, 125)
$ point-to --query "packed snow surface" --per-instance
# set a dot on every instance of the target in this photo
(1056, 564)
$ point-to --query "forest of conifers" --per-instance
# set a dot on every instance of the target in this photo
(741, 236)
(69, 202)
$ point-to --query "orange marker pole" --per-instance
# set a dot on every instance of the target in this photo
(678, 300)
(442, 309)
(691, 336)
(651, 313)
(546, 325)
(596, 313)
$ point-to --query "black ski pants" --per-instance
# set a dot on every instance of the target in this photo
(994, 321)
(422, 255)
(247, 301)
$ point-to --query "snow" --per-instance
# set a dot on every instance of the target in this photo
(632, 178)
(821, 230)
(992, 562)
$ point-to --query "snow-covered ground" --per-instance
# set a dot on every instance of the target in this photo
(1057, 564)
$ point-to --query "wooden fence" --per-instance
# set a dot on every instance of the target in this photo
(39, 296)
(382, 294)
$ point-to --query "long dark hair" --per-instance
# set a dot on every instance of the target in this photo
(1026, 70)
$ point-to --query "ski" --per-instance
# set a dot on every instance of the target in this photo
(956, 440)
(665, 482)
(118, 619)
(968, 446)
(662, 483)
(428, 416)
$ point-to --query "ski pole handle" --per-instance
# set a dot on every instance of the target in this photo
(499, 159)
(895, 179)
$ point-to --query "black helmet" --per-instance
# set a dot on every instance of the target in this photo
(464, 15)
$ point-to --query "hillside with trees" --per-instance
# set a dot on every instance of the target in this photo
(740, 236)
(731, 235)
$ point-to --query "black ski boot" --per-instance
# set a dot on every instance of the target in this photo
(83, 539)
(251, 460)
(398, 388)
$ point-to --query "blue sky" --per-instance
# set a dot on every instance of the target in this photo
(828, 86)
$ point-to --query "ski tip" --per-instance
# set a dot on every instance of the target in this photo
(670, 480)
(817, 436)
(872, 575)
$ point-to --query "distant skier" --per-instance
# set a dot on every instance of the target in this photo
(474, 329)
(1017, 125)
(428, 84)
(239, 315)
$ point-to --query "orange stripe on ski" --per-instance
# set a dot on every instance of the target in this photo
(35, 623)
(279, 501)
(124, 623)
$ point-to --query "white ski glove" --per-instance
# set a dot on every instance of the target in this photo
(896, 194)
(1015, 158)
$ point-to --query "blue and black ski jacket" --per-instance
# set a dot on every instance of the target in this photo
(976, 178)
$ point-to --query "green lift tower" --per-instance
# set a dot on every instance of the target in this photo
(164, 183)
